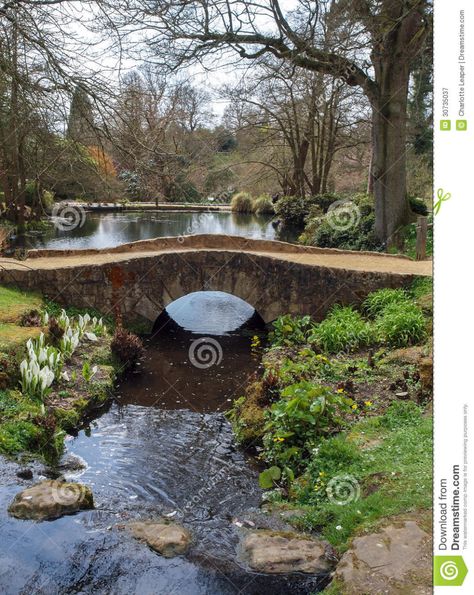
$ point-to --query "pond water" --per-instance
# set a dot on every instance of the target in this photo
(104, 230)
(162, 447)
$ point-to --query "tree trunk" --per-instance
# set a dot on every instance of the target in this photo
(389, 121)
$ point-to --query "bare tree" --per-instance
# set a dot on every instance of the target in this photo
(296, 122)
(373, 46)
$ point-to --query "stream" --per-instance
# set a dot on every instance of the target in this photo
(162, 447)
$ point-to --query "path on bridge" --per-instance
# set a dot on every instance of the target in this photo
(319, 257)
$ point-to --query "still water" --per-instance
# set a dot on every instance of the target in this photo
(162, 447)
(104, 230)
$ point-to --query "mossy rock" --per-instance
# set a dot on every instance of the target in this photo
(51, 499)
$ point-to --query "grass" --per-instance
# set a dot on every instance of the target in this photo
(390, 459)
(12, 335)
(14, 303)
(242, 203)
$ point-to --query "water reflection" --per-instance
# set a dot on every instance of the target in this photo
(103, 230)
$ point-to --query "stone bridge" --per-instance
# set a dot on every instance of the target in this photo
(138, 280)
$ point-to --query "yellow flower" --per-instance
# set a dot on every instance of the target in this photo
(354, 406)
(368, 403)
(340, 390)
(278, 439)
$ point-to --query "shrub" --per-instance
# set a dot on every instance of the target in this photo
(290, 330)
(322, 232)
(324, 201)
(343, 329)
(31, 318)
(126, 347)
(293, 210)
(242, 203)
(401, 324)
(418, 206)
(377, 301)
(305, 412)
(263, 205)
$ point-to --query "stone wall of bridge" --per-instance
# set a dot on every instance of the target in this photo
(139, 288)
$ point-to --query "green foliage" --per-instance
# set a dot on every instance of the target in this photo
(54, 309)
(343, 329)
(377, 301)
(394, 477)
(267, 478)
(242, 203)
(263, 205)
(290, 330)
(304, 413)
(422, 286)
(401, 414)
(409, 239)
(321, 231)
(418, 206)
(400, 324)
(324, 201)
(33, 196)
(247, 414)
(293, 210)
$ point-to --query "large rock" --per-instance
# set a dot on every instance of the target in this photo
(167, 538)
(51, 499)
(395, 561)
(281, 553)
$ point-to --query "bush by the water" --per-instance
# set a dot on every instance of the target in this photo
(242, 203)
(343, 329)
(293, 210)
(418, 206)
(305, 412)
(126, 347)
(263, 205)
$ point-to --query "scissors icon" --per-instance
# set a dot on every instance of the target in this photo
(442, 197)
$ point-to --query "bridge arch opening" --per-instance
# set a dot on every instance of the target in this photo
(210, 313)
(199, 354)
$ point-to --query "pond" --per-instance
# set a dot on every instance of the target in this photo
(105, 230)
(163, 447)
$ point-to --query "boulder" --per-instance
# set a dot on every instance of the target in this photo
(395, 561)
(284, 552)
(166, 538)
(51, 499)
